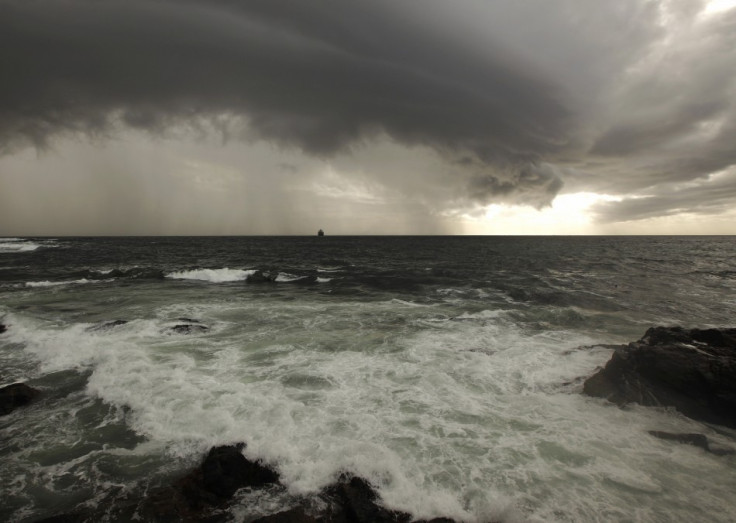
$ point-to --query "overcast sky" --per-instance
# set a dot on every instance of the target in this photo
(367, 117)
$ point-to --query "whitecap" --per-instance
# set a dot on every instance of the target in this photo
(213, 275)
(285, 277)
(47, 283)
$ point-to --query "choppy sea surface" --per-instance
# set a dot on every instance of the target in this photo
(446, 370)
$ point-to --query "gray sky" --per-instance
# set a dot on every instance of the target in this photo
(367, 117)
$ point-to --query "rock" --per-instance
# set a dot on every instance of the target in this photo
(225, 470)
(187, 328)
(221, 474)
(14, 396)
(3, 328)
(354, 500)
(262, 277)
(693, 371)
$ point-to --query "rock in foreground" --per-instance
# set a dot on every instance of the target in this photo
(210, 485)
(693, 371)
(14, 396)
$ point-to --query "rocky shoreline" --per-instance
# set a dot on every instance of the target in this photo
(693, 371)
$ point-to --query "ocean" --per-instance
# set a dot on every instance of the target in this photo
(445, 370)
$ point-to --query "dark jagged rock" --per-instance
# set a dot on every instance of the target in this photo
(202, 495)
(16, 395)
(188, 328)
(225, 470)
(354, 500)
(221, 474)
(262, 277)
(693, 371)
(3, 328)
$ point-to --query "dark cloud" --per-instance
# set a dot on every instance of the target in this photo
(319, 76)
(519, 98)
(707, 197)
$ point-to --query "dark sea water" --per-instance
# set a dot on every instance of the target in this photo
(446, 370)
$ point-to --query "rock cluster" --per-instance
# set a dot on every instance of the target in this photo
(225, 470)
(16, 395)
(693, 371)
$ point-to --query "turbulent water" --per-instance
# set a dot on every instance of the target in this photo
(446, 370)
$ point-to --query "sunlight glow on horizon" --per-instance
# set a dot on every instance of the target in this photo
(568, 214)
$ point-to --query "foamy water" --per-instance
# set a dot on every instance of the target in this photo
(454, 401)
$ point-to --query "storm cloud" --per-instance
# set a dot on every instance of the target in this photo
(521, 100)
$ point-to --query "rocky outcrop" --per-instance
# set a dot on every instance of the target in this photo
(16, 395)
(198, 495)
(189, 328)
(693, 371)
(262, 277)
(351, 499)
(212, 484)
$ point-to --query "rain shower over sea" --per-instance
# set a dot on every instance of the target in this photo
(447, 371)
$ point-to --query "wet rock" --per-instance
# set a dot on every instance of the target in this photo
(3, 328)
(354, 500)
(16, 395)
(262, 277)
(693, 371)
(188, 328)
(225, 470)
(221, 474)
(203, 494)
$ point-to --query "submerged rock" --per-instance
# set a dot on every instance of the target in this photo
(16, 395)
(187, 328)
(693, 371)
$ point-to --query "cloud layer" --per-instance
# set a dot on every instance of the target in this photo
(521, 100)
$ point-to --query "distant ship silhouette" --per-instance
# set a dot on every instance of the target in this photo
(320, 233)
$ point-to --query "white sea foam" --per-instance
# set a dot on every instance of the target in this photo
(469, 419)
(285, 277)
(213, 275)
(14, 245)
(47, 283)
(323, 280)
